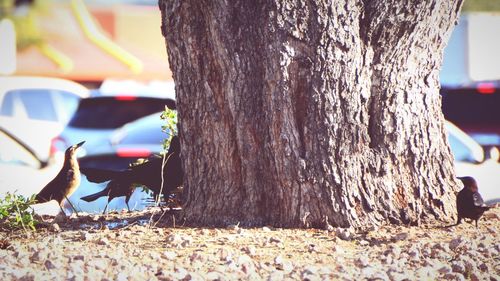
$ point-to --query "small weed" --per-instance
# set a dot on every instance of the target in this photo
(16, 212)
(170, 127)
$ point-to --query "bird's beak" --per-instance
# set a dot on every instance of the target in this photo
(79, 144)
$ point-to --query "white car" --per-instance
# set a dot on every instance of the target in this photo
(470, 160)
(36, 109)
(23, 173)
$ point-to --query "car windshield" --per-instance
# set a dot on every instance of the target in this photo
(39, 104)
(148, 135)
(114, 112)
(146, 130)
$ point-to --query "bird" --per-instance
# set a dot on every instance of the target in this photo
(65, 182)
(114, 189)
(470, 204)
(149, 174)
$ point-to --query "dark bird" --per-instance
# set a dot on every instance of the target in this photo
(66, 181)
(149, 174)
(115, 188)
(470, 204)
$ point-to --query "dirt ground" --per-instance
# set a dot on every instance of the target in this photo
(127, 246)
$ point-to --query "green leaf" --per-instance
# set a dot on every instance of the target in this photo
(170, 127)
(16, 212)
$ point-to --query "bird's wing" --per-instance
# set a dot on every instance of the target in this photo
(70, 174)
(145, 175)
(44, 195)
(173, 173)
(99, 175)
(461, 201)
(145, 170)
(47, 193)
(174, 145)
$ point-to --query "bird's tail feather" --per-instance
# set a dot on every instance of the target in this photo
(95, 196)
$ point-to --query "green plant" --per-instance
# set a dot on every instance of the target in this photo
(16, 212)
(170, 127)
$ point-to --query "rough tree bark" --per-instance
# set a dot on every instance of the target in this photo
(298, 113)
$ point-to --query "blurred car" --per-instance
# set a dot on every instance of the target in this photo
(35, 109)
(22, 172)
(474, 108)
(141, 138)
(97, 117)
(471, 160)
(463, 147)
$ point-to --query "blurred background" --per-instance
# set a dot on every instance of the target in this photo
(88, 41)
(80, 70)
(98, 71)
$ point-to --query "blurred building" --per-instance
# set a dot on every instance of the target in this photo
(133, 46)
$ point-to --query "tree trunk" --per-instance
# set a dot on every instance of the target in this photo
(299, 113)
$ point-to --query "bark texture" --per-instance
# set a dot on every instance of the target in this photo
(298, 113)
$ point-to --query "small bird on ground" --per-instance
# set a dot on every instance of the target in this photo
(148, 174)
(115, 188)
(66, 181)
(470, 204)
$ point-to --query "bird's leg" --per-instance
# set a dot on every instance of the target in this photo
(73, 207)
(104, 212)
(62, 210)
(126, 202)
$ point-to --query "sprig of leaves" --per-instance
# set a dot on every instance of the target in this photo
(16, 212)
(170, 127)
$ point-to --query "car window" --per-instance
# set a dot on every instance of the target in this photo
(7, 108)
(65, 104)
(113, 112)
(147, 135)
(39, 104)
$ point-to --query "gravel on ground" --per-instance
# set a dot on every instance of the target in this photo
(127, 246)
